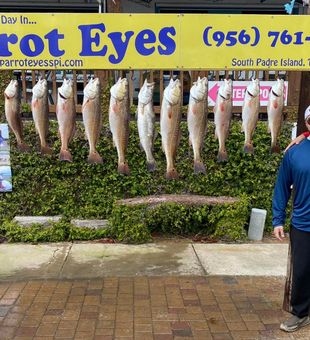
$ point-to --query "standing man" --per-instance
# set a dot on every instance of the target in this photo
(295, 172)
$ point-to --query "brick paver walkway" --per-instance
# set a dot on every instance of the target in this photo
(142, 308)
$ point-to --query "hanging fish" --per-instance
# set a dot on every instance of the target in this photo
(250, 111)
(12, 114)
(197, 120)
(66, 117)
(222, 117)
(119, 122)
(275, 113)
(170, 118)
(40, 112)
(92, 118)
(146, 122)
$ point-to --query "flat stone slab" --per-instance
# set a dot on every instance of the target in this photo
(89, 260)
(243, 259)
(28, 221)
(93, 224)
(24, 261)
(181, 199)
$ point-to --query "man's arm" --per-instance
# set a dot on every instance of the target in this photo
(281, 195)
(298, 139)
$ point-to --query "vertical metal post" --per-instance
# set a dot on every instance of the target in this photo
(304, 96)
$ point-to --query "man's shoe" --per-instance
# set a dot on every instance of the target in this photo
(294, 323)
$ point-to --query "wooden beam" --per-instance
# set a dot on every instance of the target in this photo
(304, 97)
(114, 6)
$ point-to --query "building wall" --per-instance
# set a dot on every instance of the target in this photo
(140, 6)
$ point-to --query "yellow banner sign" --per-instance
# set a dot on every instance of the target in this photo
(154, 41)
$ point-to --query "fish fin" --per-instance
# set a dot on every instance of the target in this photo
(65, 156)
(151, 167)
(199, 168)
(46, 150)
(222, 156)
(23, 147)
(248, 148)
(94, 158)
(123, 169)
(172, 174)
(275, 149)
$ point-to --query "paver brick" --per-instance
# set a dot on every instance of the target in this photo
(142, 308)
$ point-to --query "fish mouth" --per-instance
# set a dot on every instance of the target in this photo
(225, 98)
(277, 95)
(251, 94)
(62, 96)
(8, 97)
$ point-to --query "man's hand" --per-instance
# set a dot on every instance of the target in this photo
(297, 140)
(278, 232)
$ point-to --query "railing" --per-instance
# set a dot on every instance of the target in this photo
(136, 79)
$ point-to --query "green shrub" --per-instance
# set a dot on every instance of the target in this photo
(56, 232)
(127, 224)
(134, 224)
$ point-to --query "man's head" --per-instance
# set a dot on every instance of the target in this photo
(307, 117)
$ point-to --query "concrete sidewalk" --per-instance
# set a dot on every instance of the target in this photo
(95, 260)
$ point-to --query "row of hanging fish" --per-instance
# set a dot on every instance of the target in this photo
(170, 118)
(65, 112)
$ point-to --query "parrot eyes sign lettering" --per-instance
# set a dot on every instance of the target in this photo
(93, 42)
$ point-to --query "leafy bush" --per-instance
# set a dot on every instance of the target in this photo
(57, 232)
(45, 186)
(224, 221)
(127, 224)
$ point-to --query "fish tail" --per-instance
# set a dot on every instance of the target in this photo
(65, 156)
(199, 168)
(123, 169)
(275, 148)
(46, 150)
(94, 158)
(172, 174)
(23, 147)
(248, 148)
(151, 166)
(222, 156)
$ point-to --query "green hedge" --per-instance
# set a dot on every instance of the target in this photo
(57, 232)
(135, 224)
(45, 186)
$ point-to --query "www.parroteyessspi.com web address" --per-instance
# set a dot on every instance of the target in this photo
(32, 63)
